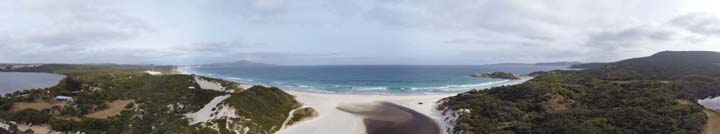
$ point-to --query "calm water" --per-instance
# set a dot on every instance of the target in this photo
(711, 103)
(16, 81)
(385, 79)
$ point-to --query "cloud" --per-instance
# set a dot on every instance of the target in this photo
(699, 23)
(253, 11)
(70, 28)
(629, 37)
(350, 32)
(217, 47)
(683, 30)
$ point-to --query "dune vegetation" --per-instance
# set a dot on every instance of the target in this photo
(101, 93)
(631, 96)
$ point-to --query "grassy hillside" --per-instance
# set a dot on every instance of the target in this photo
(641, 95)
(262, 110)
(160, 102)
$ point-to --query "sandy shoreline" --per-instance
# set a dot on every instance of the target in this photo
(331, 120)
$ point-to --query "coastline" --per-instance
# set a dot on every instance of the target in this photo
(327, 105)
(340, 86)
(330, 115)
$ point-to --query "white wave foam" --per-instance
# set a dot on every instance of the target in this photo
(369, 88)
(465, 87)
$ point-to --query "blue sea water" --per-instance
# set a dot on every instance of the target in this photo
(370, 79)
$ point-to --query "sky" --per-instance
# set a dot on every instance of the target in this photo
(322, 32)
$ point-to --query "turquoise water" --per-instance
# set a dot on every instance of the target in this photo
(16, 81)
(376, 79)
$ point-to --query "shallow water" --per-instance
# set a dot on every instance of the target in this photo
(16, 81)
(391, 118)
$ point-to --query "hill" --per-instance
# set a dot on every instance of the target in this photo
(641, 95)
(588, 65)
(671, 64)
(159, 103)
(565, 63)
(561, 63)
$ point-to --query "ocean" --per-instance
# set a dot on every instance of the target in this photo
(16, 81)
(367, 79)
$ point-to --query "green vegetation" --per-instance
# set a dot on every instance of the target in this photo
(640, 95)
(302, 114)
(79, 69)
(160, 102)
(29, 116)
(266, 108)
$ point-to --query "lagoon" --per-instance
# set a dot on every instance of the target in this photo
(16, 81)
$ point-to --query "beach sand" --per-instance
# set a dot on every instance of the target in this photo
(713, 122)
(333, 120)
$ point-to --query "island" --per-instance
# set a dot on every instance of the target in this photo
(500, 75)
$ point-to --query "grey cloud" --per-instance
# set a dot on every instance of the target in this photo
(255, 11)
(73, 26)
(217, 46)
(265, 56)
(228, 51)
(683, 30)
(70, 36)
(105, 55)
(418, 29)
(628, 37)
(699, 23)
(457, 41)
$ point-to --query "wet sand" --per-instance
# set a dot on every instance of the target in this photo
(391, 118)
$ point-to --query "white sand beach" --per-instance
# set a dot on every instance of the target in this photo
(333, 121)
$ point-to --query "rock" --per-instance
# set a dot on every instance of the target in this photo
(501, 75)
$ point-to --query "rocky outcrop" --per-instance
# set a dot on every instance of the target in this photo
(501, 75)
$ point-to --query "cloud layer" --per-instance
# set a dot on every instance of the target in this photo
(351, 32)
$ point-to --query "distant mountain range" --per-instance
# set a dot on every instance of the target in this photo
(252, 63)
(562, 63)
(588, 65)
(666, 64)
(239, 63)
